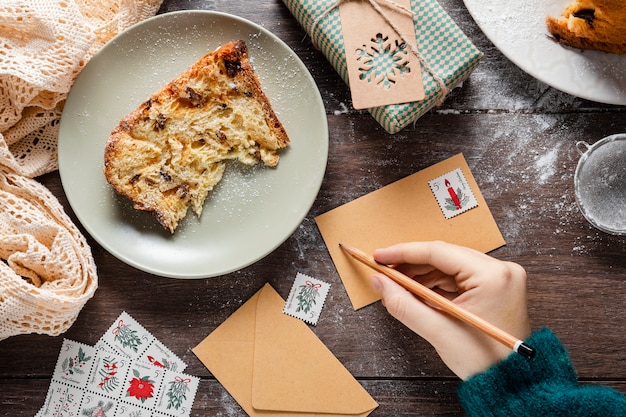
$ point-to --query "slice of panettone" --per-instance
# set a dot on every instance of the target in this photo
(592, 24)
(169, 153)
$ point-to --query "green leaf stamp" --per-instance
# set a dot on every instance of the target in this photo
(306, 298)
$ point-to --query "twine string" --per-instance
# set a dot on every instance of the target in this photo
(412, 45)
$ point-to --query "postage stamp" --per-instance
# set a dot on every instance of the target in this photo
(129, 338)
(306, 298)
(453, 193)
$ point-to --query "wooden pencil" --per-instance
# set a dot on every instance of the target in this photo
(443, 303)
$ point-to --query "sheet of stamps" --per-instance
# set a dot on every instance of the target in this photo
(96, 381)
(306, 298)
(453, 193)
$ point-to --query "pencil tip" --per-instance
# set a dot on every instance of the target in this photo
(340, 245)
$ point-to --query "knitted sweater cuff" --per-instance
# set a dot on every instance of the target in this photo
(512, 384)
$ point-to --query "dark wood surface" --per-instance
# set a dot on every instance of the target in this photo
(518, 136)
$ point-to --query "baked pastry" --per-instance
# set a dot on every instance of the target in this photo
(592, 24)
(169, 153)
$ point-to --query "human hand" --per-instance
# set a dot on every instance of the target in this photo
(492, 289)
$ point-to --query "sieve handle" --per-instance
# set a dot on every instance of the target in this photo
(579, 146)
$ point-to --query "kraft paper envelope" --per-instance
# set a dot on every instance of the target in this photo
(274, 365)
(406, 210)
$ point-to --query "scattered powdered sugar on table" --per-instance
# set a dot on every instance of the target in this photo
(343, 109)
(546, 164)
(532, 170)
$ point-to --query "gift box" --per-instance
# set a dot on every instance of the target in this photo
(448, 56)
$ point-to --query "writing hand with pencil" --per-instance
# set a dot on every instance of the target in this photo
(491, 289)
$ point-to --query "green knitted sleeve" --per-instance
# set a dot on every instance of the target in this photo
(545, 385)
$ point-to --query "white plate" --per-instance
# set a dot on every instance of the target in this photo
(518, 30)
(253, 210)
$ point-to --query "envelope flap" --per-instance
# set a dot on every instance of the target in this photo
(227, 352)
(294, 371)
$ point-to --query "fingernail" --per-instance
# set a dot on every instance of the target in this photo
(376, 282)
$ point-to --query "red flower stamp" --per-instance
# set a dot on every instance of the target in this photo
(140, 387)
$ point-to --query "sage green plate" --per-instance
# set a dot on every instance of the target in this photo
(253, 209)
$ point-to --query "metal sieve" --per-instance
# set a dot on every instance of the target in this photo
(600, 183)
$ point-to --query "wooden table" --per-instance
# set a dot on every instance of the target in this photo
(518, 136)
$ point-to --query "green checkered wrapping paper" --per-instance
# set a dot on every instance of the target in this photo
(441, 43)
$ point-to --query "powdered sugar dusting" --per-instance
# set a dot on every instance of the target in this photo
(545, 164)
(532, 171)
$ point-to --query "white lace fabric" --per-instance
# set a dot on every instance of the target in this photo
(47, 272)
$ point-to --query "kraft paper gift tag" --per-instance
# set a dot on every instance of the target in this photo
(442, 202)
(274, 365)
(381, 54)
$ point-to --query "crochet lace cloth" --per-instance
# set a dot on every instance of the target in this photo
(47, 272)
